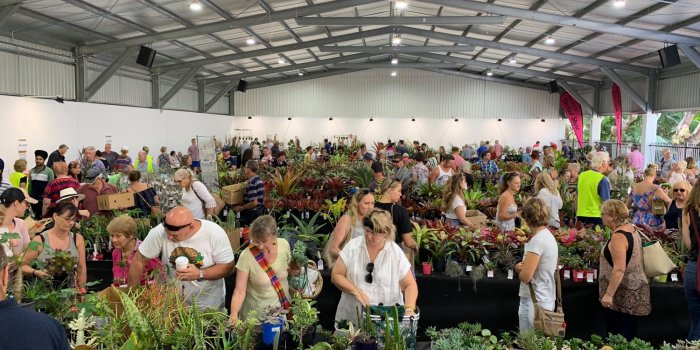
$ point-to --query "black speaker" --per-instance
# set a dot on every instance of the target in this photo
(242, 86)
(146, 56)
(553, 87)
(669, 56)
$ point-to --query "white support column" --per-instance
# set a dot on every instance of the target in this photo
(649, 136)
(596, 123)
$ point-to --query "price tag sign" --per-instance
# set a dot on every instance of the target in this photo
(567, 274)
(674, 277)
(579, 275)
(589, 277)
(469, 268)
(510, 274)
(489, 274)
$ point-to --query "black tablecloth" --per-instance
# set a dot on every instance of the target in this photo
(446, 301)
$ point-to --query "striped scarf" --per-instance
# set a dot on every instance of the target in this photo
(260, 257)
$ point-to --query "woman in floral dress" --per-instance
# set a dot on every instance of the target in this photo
(641, 198)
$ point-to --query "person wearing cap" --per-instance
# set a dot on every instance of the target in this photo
(229, 160)
(13, 204)
(109, 156)
(39, 178)
(4, 184)
(95, 185)
(378, 174)
(144, 164)
(52, 192)
(58, 155)
(123, 159)
(367, 157)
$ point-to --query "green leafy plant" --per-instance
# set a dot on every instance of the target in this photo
(306, 231)
(472, 198)
(334, 210)
(361, 175)
(286, 184)
(304, 316)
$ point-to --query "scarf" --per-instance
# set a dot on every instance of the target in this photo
(260, 258)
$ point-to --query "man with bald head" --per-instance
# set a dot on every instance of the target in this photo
(203, 243)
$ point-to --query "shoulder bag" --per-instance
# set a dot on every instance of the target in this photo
(155, 209)
(551, 323)
(265, 265)
(219, 202)
(656, 261)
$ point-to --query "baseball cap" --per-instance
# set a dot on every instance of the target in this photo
(92, 175)
(13, 194)
(367, 156)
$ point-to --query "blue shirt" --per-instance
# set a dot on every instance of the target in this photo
(255, 190)
(604, 188)
(490, 167)
(24, 329)
(480, 152)
(526, 158)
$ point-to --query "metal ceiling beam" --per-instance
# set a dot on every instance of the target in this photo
(487, 78)
(274, 50)
(286, 68)
(574, 93)
(296, 79)
(691, 53)
(525, 50)
(102, 79)
(397, 21)
(396, 49)
(227, 25)
(397, 66)
(7, 12)
(57, 22)
(626, 88)
(180, 83)
(218, 95)
(610, 28)
(494, 66)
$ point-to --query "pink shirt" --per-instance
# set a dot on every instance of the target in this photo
(636, 160)
(498, 149)
(121, 273)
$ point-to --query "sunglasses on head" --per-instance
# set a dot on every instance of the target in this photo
(369, 268)
(174, 228)
(681, 190)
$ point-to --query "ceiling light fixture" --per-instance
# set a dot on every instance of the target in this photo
(401, 5)
(331, 118)
(456, 120)
(289, 118)
(489, 73)
(500, 120)
(195, 5)
(371, 119)
(281, 61)
(301, 74)
(619, 3)
(394, 60)
(396, 40)
(250, 41)
(413, 119)
(512, 60)
(249, 117)
(393, 73)
(549, 40)
(542, 120)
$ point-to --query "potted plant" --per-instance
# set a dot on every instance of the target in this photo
(428, 267)
(367, 338)
(440, 247)
(272, 325)
(304, 317)
(16, 259)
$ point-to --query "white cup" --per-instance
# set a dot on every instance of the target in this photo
(181, 263)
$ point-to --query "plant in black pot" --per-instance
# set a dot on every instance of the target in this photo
(367, 338)
(440, 247)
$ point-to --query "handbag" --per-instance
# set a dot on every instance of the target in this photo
(551, 323)
(155, 209)
(656, 261)
(219, 202)
(691, 213)
(658, 207)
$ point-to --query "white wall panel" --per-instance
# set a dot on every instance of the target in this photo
(21, 75)
(413, 93)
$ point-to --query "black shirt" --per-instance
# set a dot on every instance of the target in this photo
(55, 156)
(24, 329)
(673, 216)
(399, 215)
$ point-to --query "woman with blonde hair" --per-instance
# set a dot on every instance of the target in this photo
(679, 195)
(691, 171)
(690, 223)
(453, 201)
(373, 270)
(195, 195)
(390, 190)
(623, 287)
(536, 271)
(641, 198)
(349, 225)
(677, 171)
(547, 191)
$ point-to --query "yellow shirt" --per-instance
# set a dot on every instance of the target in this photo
(260, 294)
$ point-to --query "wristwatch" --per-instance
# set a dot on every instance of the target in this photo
(201, 276)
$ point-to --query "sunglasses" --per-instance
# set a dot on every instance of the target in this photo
(369, 268)
(174, 228)
(681, 190)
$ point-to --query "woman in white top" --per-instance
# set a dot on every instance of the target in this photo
(539, 264)
(373, 270)
(677, 172)
(349, 226)
(547, 191)
(507, 210)
(195, 195)
(453, 201)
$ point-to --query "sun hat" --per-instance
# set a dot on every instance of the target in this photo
(68, 194)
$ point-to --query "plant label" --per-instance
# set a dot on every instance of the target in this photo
(589, 277)
(579, 275)
(510, 274)
(489, 274)
(595, 273)
(674, 277)
(335, 198)
(238, 215)
(567, 274)
(469, 268)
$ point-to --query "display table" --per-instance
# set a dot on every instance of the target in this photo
(445, 302)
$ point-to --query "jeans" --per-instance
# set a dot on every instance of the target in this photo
(526, 313)
(621, 323)
(691, 295)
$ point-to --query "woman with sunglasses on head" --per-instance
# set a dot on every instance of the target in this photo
(641, 198)
(373, 270)
(680, 194)
(389, 201)
(349, 226)
(59, 238)
(195, 195)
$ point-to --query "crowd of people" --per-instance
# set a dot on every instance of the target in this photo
(369, 245)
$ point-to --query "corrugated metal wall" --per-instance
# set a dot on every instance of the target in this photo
(628, 106)
(121, 89)
(413, 93)
(679, 89)
(22, 75)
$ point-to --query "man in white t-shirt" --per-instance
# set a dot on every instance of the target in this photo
(203, 243)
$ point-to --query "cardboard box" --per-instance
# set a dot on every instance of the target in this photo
(476, 217)
(233, 194)
(115, 201)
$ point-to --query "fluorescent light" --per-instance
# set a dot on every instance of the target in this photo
(619, 3)
(250, 41)
(301, 74)
(281, 61)
(549, 40)
(512, 60)
(396, 40)
(393, 73)
(489, 72)
(401, 5)
(394, 61)
(195, 5)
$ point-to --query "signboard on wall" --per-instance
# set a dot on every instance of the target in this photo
(207, 156)
(22, 148)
